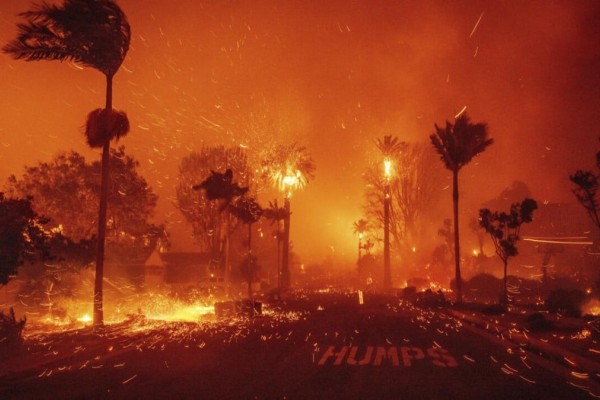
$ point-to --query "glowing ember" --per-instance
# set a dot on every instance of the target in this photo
(387, 168)
(184, 313)
(85, 318)
(592, 307)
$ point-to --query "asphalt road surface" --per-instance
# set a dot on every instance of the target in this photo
(314, 346)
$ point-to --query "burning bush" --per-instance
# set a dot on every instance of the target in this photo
(11, 331)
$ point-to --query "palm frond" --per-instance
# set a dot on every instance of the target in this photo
(94, 33)
(390, 146)
(102, 126)
(458, 143)
(289, 160)
(361, 226)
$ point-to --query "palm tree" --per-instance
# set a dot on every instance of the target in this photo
(390, 147)
(360, 227)
(457, 145)
(277, 215)
(289, 167)
(220, 187)
(96, 34)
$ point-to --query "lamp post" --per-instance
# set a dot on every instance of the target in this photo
(387, 273)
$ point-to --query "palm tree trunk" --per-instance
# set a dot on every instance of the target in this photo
(285, 256)
(249, 238)
(387, 272)
(279, 239)
(456, 237)
(505, 291)
(251, 269)
(98, 290)
(226, 255)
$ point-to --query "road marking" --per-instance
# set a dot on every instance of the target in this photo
(386, 355)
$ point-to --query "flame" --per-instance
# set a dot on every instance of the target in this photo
(85, 318)
(592, 307)
(387, 168)
(289, 181)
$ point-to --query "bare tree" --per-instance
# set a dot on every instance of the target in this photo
(413, 190)
(205, 215)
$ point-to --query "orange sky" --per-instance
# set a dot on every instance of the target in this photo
(333, 75)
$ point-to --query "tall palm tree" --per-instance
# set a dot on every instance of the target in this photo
(96, 34)
(289, 167)
(390, 147)
(457, 144)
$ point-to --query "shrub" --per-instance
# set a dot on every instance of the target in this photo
(565, 302)
(538, 322)
(428, 298)
(494, 309)
(11, 331)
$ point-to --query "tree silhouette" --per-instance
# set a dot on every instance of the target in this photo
(389, 147)
(413, 189)
(248, 211)
(96, 34)
(219, 187)
(360, 228)
(586, 190)
(457, 144)
(504, 229)
(22, 236)
(277, 215)
(66, 189)
(202, 214)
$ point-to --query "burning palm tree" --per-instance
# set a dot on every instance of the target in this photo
(96, 34)
(389, 147)
(289, 168)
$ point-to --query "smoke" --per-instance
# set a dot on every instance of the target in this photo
(333, 75)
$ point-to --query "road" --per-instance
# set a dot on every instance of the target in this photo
(315, 346)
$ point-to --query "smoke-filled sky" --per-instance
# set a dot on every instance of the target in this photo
(334, 76)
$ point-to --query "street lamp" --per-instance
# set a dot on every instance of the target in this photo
(387, 273)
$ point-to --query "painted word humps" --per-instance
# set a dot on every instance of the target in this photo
(380, 355)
